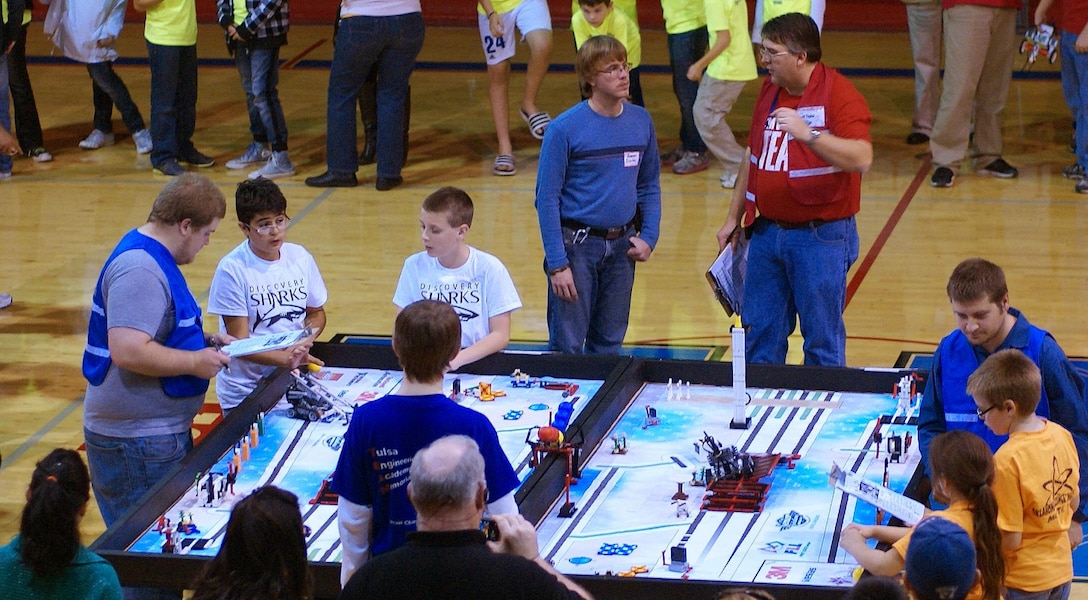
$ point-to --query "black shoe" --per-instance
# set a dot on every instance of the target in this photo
(330, 179)
(1000, 169)
(196, 159)
(1073, 171)
(387, 183)
(917, 138)
(942, 177)
(170, 167)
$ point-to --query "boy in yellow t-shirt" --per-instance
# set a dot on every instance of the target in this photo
(685, 28)
(729, 63)
(1036, 476)
(598, 17)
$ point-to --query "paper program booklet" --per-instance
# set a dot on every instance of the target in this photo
(263, 343)
(726, 275)
(909, 511)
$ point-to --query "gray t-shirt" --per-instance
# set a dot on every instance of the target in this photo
(128, 405)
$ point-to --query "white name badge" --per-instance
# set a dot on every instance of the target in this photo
(630, 159)
(813, 116)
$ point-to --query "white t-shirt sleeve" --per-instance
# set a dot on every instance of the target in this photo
(227, 296)
(409, 280)
(318, 294)
(502, 295)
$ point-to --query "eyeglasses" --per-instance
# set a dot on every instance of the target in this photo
(280, 223)
(615, 69)
(982, 413)
(766, 55)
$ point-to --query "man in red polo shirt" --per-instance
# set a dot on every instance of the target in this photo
(807, 147)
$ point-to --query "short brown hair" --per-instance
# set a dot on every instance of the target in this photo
(426, 337)
(976, 278)
(595, 52)
(1008, 375)
(188, 196)
(453, 201)
(797, 32)
(594, 2)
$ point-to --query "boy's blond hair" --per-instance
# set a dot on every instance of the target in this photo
(455, 202)
(1008, 375)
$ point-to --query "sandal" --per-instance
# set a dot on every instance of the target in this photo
(504, 166)
(538, 122)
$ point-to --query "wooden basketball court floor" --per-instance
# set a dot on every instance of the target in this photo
(61, 219)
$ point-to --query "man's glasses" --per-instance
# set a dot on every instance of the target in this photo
(615, 69)
(267, 229)
(767, 55)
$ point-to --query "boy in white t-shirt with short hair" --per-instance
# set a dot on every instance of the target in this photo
(475, 283)
(264, 285)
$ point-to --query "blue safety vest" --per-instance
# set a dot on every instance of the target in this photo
(188, 332)
(958, 361)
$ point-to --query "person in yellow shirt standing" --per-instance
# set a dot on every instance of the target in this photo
(766, 10)
(729, 63)
(598, 17)
(685, 26)
(170, 33)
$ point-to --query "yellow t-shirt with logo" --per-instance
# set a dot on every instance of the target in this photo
(615, 24)
(626, 7)
(682, 16)
(737, 62)
(171, 23)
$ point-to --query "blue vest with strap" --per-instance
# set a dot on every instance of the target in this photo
(188, 332)
(958, 361)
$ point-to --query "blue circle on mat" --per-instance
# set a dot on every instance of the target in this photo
(580, 560)
(538, 407)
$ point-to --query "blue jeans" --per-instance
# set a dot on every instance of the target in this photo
(124, 469)
(110, 90)
(596, 322)
(1060, 592)
(5, 111)
(684, 49)
(390, 44)
(1075, 88)
(798, 274)
(173, 101)
(259, 69)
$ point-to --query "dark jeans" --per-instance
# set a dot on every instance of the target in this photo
(5, 114)
(28, 128)
(391, 45)
(173, 101)
(259, 69)
(684, 49)
(110, 90)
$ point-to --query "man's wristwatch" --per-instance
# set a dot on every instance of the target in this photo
(559, 270)
(814, 134)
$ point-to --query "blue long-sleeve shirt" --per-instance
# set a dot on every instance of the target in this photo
(596, 170)
(1063, 385)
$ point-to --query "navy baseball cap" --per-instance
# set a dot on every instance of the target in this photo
(940, 561)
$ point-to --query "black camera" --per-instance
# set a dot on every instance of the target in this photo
(490, 529)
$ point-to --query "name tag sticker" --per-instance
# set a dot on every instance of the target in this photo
(631, 159)
(813, 116)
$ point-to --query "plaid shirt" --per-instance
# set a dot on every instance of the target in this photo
(267, 22)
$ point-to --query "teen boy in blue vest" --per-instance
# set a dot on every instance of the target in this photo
(147, 359)
(986, 324)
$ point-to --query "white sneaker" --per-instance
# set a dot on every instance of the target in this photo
(729, 181)
(142, 139)
(279, 165)
(255, 153)
(96, 140)
(5, 175)
(40, 155)
(5, 300)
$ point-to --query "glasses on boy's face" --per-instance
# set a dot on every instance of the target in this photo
(766, 55)
(268, 228)
(615, 69)
(982, 413)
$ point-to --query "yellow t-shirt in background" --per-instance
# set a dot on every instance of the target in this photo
(737, 62)
(171, 23)
(626, 7)
(682, 16)
(617, 25)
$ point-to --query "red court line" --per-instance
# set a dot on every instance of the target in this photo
(301, 55)
(886, 232)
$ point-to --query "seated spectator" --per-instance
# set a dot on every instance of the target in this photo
(46, 560)
(263, 553)
(940, 561)
(448, 556)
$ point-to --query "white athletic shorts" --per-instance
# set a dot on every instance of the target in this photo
(528, 16)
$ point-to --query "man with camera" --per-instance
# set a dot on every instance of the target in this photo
(449, 553)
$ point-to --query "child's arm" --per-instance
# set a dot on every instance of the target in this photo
(878, 562)
(721, 42)
(493, 342)
(493, 18)
(1041, 10)
(1010, 541)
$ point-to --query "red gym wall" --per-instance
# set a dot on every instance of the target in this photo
(857, 15)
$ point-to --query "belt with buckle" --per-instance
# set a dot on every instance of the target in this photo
(608, 233)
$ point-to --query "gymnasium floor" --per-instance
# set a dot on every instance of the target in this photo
(64, 217)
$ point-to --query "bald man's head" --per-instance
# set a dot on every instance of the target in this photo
(447, 475)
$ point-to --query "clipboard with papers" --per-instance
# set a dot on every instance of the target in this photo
(726, 275)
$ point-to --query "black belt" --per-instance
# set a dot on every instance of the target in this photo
(803, 224)
(608, 233)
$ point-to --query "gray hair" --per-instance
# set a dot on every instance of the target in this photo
(446, 474)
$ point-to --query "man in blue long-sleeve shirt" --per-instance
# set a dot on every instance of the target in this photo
(598, 201)
(985, 324)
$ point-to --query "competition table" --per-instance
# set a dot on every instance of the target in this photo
(625, 523)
